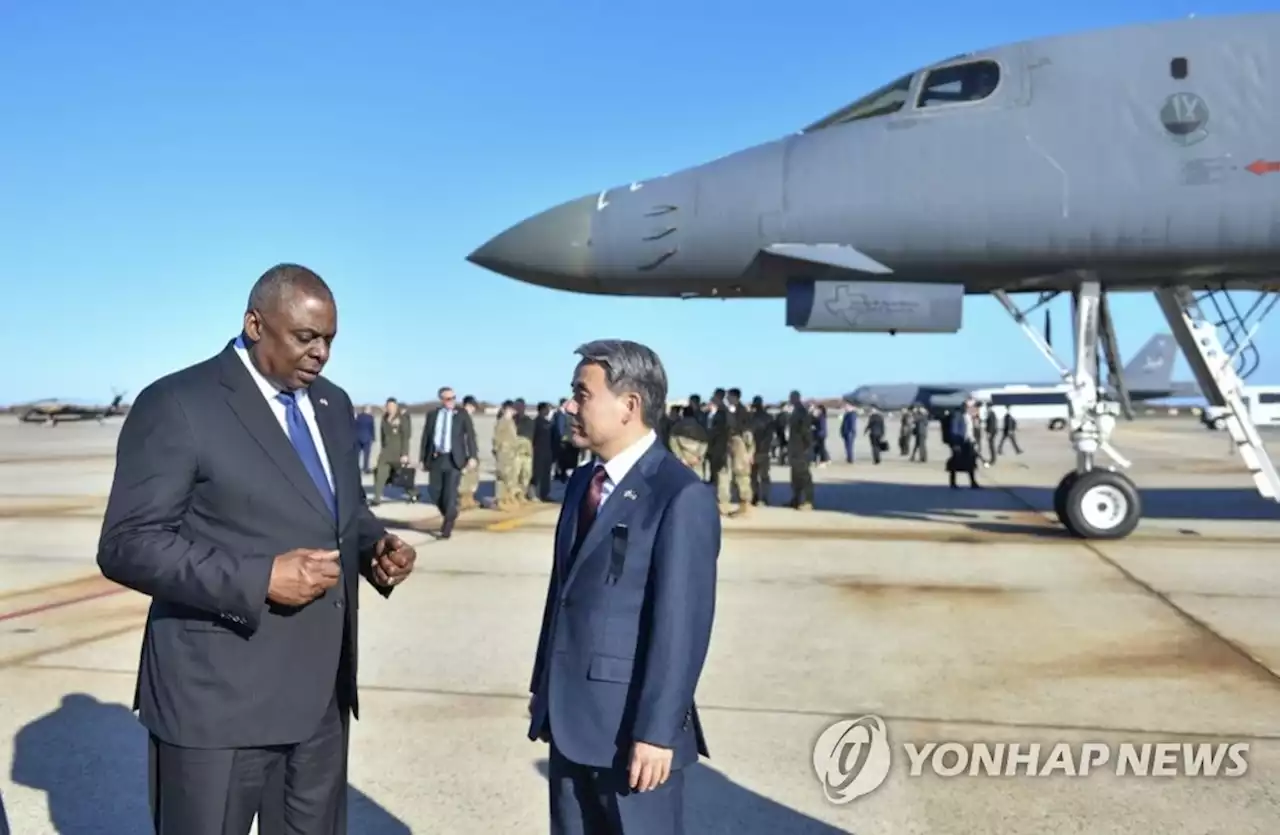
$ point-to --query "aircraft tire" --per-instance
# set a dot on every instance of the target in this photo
(1060, 496)
(1101, 504)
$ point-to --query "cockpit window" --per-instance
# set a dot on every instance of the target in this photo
(888, 99)
(969, 82)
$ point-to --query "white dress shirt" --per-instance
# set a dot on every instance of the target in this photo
(308, 409)
(617, 469)
(444, 430)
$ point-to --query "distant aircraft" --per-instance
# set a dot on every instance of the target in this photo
(52, 412)
(1148, 376)
(1139, 158)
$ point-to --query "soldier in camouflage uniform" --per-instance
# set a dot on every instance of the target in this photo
(504, 454)
(742, 446)
(689, 438)
(800, 453)
(906, 430)
(471, 475)
(525, 429)
(393, 449)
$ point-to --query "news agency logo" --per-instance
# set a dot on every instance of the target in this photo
(852, 757)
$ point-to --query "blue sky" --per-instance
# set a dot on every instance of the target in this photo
(158, 156)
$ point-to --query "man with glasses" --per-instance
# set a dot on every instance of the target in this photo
(448, 448)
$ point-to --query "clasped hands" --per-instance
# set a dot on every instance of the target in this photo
(303, 574)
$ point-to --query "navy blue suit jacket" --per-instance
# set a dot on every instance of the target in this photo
(627, 623)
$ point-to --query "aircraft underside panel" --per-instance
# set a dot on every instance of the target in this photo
(874, 307)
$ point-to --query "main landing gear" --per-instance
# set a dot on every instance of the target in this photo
(1098, 503)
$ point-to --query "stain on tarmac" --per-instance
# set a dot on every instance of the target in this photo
(1173, 657)
(893, 594)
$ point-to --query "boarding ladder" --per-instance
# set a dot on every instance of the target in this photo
(1238, 328)
(1220, 369)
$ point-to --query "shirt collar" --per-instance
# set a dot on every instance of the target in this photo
(622, 463)
(269, 389)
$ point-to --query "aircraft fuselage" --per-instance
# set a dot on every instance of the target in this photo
(1141, 152)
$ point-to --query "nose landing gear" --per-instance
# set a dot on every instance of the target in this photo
(1091, 502)
(1098, 504)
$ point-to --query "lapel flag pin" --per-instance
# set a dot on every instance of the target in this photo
(630, 494)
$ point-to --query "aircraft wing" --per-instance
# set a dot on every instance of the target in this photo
(838, 256)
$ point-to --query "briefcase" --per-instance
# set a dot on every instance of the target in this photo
(404, 478)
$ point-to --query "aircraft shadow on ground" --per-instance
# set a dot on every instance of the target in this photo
(90, 759)
(485, 492)
(715, 804)
(974, 508)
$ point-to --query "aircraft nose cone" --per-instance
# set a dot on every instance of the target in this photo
(550, 249)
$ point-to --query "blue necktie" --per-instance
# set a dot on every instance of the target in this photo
(300, 436)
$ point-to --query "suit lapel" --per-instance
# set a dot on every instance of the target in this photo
(330, 423)
(569, 520)
(632, 493)
(251, 408)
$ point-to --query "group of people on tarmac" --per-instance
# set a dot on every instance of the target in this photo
(732, 446)
(963, 432)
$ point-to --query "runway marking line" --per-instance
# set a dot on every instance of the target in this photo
(58, 604)
(44, 511)
(508, 524)
(28, 657)
(61, 585)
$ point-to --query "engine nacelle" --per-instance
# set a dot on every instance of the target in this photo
(874, 307)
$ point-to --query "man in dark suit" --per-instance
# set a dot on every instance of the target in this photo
(366, 432)
(237, 507)
(875, 431)
(566, 453)
(448, 447)
(544, 452)
(629, 609)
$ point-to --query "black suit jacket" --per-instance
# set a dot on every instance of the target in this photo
(462, 447)
(718, 448)
(207, 491)
(542, 438)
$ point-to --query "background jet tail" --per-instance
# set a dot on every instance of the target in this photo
(1152, 368)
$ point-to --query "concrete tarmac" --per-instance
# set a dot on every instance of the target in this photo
(955, 615)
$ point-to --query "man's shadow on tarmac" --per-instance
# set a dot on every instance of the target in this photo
(90, 760)
(715, 805)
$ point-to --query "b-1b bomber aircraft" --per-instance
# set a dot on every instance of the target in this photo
(1143, 158)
